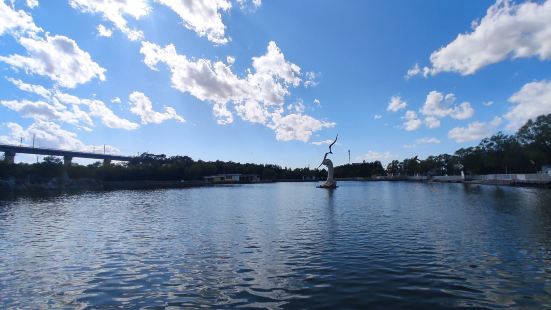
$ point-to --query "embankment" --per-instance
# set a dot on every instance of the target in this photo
(525, 180)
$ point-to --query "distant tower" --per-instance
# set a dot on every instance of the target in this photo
(349, 157)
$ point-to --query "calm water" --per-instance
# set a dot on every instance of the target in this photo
(286, 245)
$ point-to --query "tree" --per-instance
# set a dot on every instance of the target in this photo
(52, 160)
(394, 168)
(535, 136)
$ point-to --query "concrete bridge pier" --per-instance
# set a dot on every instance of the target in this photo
(106, 162)
(67, 161)
(9, 157)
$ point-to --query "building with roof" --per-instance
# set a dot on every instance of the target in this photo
(232, 178)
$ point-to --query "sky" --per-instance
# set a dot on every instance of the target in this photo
(268, 81)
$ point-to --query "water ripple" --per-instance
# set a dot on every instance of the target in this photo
(371, 245)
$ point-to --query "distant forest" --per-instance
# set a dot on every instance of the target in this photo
(524, 152)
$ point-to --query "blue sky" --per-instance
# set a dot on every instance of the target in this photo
(271, 81)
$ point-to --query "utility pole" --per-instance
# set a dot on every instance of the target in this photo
(21, 143)
(349, 157)
(104, 149)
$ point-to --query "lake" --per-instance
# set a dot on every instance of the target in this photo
(280, 245)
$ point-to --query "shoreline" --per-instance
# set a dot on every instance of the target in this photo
(477, 180)
(61, 186)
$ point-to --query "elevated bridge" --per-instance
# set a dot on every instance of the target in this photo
(11, 150)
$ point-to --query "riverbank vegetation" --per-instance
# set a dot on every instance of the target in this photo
(526, 151)
(150, 167)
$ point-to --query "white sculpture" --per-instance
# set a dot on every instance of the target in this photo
(330, 182)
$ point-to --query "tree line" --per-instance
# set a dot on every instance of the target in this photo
(526, 151)
(151, 167)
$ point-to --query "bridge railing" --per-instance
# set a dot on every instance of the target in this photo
(11, 150)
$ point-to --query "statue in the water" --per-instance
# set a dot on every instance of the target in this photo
(330, 183)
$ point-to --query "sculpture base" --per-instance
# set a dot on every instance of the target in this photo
(328, 185)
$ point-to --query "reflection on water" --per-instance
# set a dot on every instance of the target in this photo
(287, 245)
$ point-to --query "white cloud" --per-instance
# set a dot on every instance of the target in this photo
(317, 101)
(35, 89)
(323, 142)
(435, 106)
(438, 106)
(104, 31)
(253, 112)
(32, 3)
(432, 122)
(51, 135)
(372, 156)
(487, 103)
(58, 58)
(142, 106)
(310, 79)
(297, 107)
(428, 140)
(297, 126)
(255, 3)
(377, 116)
(202, 16)
(116, 100)
(230, 60)
(115, 11)
(416, 70)
(508, 30)
(532, 100)
(16, 22)
(258, 97)
(61, 107)
(474, 131)
(396, 104)
(273, 64)
(224, 116)
(68, 109)
(45, 111)
(412, 121)
(496, 121)
(97, 108)
(217, 83)
(413, 71)
(462, 111)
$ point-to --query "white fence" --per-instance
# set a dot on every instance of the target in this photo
(498, 178)
(537, 177)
